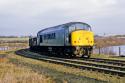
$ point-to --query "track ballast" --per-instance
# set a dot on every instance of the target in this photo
(92, 64)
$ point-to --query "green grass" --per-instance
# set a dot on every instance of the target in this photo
(108, 57)
(63, 73)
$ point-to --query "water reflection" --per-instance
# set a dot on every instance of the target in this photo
(112, 50)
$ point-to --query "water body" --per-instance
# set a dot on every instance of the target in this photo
(120, 49)
(113, 50)
(4, 48)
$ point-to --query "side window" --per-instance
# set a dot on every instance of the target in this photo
(72, 28)
(49, 36)
(41, 39)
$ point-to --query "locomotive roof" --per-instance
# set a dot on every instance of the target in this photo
(66, 24)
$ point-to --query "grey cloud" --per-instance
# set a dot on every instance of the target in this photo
(28, 16)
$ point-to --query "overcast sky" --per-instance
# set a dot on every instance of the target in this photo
(27, 17)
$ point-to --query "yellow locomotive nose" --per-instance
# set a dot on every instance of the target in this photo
(82, 38)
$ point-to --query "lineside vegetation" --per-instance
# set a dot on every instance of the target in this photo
(11, 73)
(17, 69)
(17, 65)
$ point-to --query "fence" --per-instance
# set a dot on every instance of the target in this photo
(113, 50)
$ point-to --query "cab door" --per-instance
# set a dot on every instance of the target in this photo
(68, 32)
(66, 38)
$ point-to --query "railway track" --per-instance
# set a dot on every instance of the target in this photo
(107, 61)
(82, 64)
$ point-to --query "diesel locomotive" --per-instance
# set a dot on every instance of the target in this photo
(74, 39)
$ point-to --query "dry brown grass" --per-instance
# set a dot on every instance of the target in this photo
(10, 73)
(13, 43)
(109, 41)
(3, 57)
(3, 60)
(25, 70)
(67, 70)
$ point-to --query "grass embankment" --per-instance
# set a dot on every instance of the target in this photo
(58, 73)
(11, 73)
(103, 56)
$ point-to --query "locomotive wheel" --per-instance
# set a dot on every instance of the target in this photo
(86, 56)
(79, 52)
(69, 55)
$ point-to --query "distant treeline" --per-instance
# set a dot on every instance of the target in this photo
(110, 36)
(119, 35)
(14, 36)
(14, 41)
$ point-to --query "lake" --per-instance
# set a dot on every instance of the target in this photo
(111, 50)
(4, 48)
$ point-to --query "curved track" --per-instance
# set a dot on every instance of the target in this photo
(107, 61)
(101, 65)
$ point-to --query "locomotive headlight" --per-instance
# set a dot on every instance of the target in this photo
(87, 38)
(91, 41)
(74, 41)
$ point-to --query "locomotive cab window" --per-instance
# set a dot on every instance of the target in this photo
(82, 26)
(78, 26)
(72, 28)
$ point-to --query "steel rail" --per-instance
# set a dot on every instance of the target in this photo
(73, 64)
(108, 61)
(115, 67)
